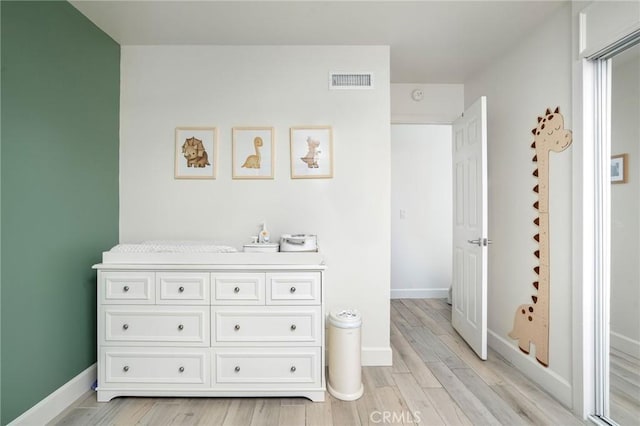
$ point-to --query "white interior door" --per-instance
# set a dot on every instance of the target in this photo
(470, 239)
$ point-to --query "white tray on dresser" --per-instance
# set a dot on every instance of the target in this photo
(211, 325)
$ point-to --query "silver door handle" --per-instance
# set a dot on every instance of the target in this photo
(480, 242)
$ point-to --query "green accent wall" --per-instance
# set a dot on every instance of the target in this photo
(59, 193)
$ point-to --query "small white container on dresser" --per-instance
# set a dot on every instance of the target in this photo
(214, 327)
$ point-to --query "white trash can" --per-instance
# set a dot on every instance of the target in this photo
(345, 368)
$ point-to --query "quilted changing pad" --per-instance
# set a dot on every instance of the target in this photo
(173, 247)
(173, 254)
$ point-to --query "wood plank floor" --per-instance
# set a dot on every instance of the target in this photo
(624, 386)
(435, 380)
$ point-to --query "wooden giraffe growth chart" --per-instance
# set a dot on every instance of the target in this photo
(531, 323)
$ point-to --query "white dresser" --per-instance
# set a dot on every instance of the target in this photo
(212, 328)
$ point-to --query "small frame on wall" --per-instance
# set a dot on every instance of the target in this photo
(311, 152)
(196, 153)
(253, 156)
(619, 168)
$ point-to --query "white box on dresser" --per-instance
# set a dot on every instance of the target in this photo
(209, 328)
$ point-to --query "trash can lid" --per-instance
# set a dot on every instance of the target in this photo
(345, 318)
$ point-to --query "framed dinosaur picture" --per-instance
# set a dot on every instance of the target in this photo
(196, 153)
(311, 152)
(253, 156)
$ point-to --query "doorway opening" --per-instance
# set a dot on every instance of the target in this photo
(421, 210)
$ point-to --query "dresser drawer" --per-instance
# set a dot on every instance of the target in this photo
(280, 325)
(238, 289)
(184, 288)
(149, 366)
(267, 367)
(127, 288)
(156, 325)
(293, 288)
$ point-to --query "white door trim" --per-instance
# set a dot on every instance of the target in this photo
(597, 27)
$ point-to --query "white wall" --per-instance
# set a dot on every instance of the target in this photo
(625, 204)
(164, 87)
(421, 211)
(441, 104)
(535, 75)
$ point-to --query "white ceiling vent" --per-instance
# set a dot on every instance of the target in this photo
(350, 81)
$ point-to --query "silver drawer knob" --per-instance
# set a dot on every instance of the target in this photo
(237, 369)
(125, 288)
(293, 327)
(181, 327)
(236, 327)
(181, 289)
(293, 369)
(181, 369)
(236, 290)
(125, 326)
(292, 290)
(125, 368)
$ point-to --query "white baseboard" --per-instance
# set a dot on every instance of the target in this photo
(376, 357)
(550, 381)
(47, 409)
(419, 293)
(624, 344)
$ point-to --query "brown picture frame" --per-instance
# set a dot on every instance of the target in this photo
(619, 168)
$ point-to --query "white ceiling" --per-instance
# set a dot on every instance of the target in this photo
(431, 41)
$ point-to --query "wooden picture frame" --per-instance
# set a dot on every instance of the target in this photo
(253, 154)
(311, 151)
(196, 153)
(620, 168)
